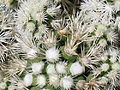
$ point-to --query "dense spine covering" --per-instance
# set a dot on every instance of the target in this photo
(59, 44)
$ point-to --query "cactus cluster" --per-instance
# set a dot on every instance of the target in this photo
(59, 44)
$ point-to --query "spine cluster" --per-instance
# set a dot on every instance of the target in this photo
(59, 44)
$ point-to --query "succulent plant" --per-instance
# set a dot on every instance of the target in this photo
(59, 44)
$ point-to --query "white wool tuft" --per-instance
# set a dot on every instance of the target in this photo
(61, 68)
(41, 81)
(52, 54)
(105, 67)
(37, 67)
(28, 79)
(51, 69)
(66, 82)
(77, 69)
(116, 66)
(54, 80)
